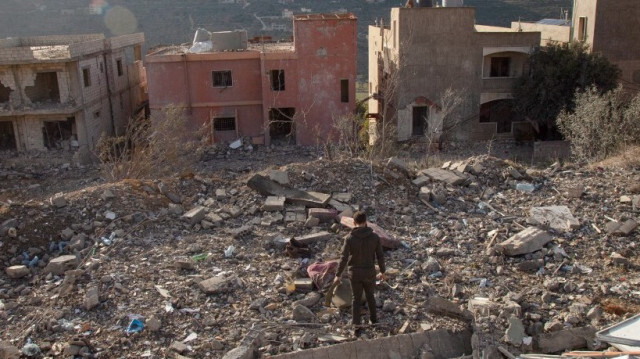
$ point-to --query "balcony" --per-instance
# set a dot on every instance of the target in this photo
(498, 84)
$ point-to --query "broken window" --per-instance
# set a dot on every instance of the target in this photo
(281, 127)
(582, 28)
(277, 80)
(86, 76)
(45, 88)
(56, 133)
(500, 112)
(224, 124)
(500, 66)
(7, 136)
(344, 90)
(420, 116)
(119, 67)
(222, 79)
(5, 93)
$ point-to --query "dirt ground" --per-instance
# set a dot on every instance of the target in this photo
(137, 256)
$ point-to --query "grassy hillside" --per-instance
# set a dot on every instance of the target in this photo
(174, 21)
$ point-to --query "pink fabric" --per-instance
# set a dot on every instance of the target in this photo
(322, 273)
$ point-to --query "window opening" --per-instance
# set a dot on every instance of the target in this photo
(56, 134)
(222, 79)
(500, 112)
(119, 67)
(5, 93)
(86, 76)
(7, 136)
(224, 124)
(45, 88)
(344, 90)
(277, 80)
(500, 66)
(582, 28)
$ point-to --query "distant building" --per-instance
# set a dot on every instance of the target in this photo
(426, 51)
(552, 31)
(610, 27)
(65, 91)
(268, 92)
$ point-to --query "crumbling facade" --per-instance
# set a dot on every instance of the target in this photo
(64, 92)
(266, 91)
(611, 28)
(428, 53)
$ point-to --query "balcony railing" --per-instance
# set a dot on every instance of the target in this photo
(498, 84)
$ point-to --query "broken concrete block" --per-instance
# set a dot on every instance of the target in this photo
(179, 347)
(574, 192)
(58, 200)
(526, 241)
(67, 234)
(16, 272)
(274, 203)
(91, 298)
(461, 167)
(339, 206)
(213, 218)
(311, 222)
(323, 214)
(221, 194)
(627, 227)
(567, 339)
(8, 351)
(530, 266)
(242, 231)
(215, 285)
(303, 314)
(61, 264)
(107, 195)
(195, 215)
(483, 306)
(387, 240)
(439, 305)
(515, 332)
(303, 283)
(313, 237)
(612, 226)
(421, 181)
(282, 177)
(344, 197)
(268, 187)
(438, 174)
(425, 194)
(514, 173)
(398, 164)
(556, 217)
(153, 324)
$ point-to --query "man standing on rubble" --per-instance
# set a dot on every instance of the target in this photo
(360, 250)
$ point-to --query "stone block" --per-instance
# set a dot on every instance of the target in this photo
(8, 351)
(213, 218)
(215, 285)
(58, 200)
(627, 227)
(339, 206)
(398, 164)
(61, 264)
(529, 240)
(274, 203)
(483, 306)
(567, 339)
(515, 333)
(194, 215)
(421, 181)
(323, 214)
(344, 197)
(281, 177)
(556, 217)
(574, 192)
(438, 174)
(16, 272)
(303, 283)
(91, 298)
(439, 305)
(425, 194)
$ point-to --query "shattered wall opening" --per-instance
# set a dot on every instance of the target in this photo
(281, 128)
(498, 111)
(57, 134)
(7, 136)
(5, 92)
(420, 118)
(45, 88)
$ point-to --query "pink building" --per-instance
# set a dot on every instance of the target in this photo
(267, 91)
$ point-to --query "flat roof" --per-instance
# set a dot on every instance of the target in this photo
(557, 22)
(337, 16)
(271, 47)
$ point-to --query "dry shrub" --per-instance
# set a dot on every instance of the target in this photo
(164, 145)
(601, 125)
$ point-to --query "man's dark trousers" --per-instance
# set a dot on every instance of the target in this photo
(363, 279)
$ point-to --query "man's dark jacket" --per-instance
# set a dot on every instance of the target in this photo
(361, 248)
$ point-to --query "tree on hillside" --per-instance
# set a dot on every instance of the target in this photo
(556, 74)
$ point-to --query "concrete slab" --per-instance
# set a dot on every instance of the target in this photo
(529, 240)
(314, 237)
(438, 174)
(268, 187)
(274, 203)
(556, 217)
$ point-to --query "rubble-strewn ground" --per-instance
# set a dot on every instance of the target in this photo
(137, 257)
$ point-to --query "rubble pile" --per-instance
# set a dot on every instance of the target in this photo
(529, 259)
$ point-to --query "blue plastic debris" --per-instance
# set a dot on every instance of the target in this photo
(30, 349)
(33, 262)
(135, 326)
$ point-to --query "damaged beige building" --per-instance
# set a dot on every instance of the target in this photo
(63, 92)
(427, 52)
